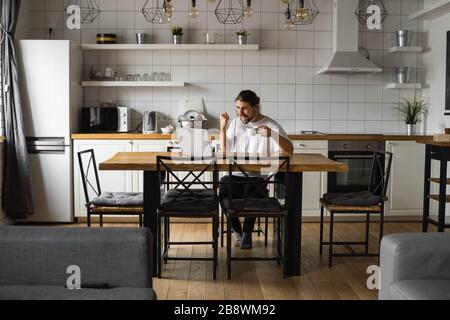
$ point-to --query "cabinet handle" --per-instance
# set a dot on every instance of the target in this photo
(302, 145)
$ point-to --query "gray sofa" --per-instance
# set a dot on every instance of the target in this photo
(415, 267)
(115, 263)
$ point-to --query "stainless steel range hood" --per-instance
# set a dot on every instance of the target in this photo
(346, 58)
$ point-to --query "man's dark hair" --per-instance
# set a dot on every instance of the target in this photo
(250, 97)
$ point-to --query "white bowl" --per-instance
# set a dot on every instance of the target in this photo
(166, 130)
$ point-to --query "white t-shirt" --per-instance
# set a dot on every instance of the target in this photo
(241, 141)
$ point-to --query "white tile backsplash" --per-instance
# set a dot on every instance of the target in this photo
(283, 72)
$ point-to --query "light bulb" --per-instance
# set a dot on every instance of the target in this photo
(193, 13)
(248, 12)
(288, 25)
(302, 14)
(168, 9)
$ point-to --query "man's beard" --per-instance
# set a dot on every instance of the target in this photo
(246, 119)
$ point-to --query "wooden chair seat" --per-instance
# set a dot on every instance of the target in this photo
(350, 209)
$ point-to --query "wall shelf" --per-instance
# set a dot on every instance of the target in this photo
(404, 85)
(406, 49)
(133, 84)
(246, 47)
(434, 11)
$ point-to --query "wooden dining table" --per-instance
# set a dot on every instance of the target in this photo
(298, 164)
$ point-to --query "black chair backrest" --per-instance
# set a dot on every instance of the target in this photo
(278, 169)
(89, 157)
(168, 178)
(381, 169)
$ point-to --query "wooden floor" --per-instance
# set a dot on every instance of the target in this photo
(260, 280)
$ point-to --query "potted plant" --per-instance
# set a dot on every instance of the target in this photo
(411, 110)
(177, 35)
(242, 36)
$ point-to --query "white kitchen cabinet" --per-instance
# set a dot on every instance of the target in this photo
(314, 183)
(116, 181)
(405, 189)
(145, 146)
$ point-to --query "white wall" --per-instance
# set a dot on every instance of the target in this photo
(23, 25)
(434, 61)
(283, 72)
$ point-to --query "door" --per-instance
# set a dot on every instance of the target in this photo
(314, 183)
(405, 189)
(115, 181)
(45, 87)
(51, 183)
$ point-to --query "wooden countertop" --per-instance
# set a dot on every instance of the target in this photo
(435, 143)
(328, 137)
(147, 161)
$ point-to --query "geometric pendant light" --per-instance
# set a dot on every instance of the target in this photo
(89, 9)
(159, 11)
(302, 12)
(229, 11)
(362, 10)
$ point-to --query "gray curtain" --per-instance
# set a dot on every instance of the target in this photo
(17, 198)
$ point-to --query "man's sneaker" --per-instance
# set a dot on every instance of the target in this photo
(246, 241)
(237, 239)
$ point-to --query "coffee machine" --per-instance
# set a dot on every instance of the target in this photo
(150, 122)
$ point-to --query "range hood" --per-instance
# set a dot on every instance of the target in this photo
(346, 58)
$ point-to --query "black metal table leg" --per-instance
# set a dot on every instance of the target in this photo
(294, 224)
(426, 190)
(442, 195)
(151, 194)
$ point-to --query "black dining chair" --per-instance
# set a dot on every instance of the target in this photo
(273, 206)
(370, 202)
(194, 197)
(106, 203)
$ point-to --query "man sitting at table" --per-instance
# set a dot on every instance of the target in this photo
(252, 133)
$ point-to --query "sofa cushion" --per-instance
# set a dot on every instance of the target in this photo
(421, 289)
(62, 293)
(119, 199)
(119, 257)
(363, 198)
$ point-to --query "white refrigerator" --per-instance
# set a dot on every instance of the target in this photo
(50, 80)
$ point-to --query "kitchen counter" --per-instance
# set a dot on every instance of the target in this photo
(292, 136)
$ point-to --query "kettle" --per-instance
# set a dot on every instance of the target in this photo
(150, 122)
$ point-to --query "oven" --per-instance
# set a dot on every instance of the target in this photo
(358, 156)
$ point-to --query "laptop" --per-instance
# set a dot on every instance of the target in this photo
(194, 142)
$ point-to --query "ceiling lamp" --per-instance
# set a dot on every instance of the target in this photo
(303, 11)
(229, 11)
(363, 13)
(288, 25)
(248, 11)
(89, 9)
(160, 13)
(193, 12)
